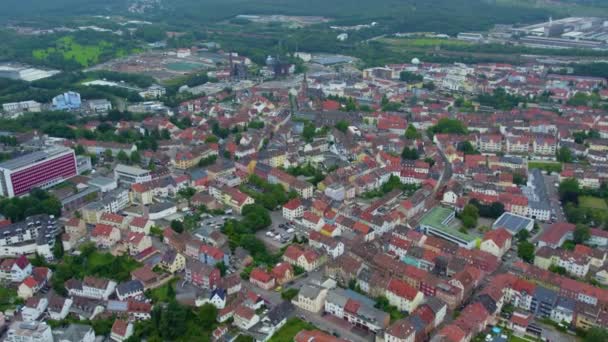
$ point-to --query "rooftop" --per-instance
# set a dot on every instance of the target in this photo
(511, 222)
(31, 158)
(441, 218)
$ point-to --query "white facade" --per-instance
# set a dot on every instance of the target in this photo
(29, 332)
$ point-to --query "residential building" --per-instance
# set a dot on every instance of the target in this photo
(356, 309)
(20, 331)
(311, 298)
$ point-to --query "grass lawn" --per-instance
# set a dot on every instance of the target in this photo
(164, 293)
(545, 165)
(85, 55)
(592, 202)
(290, 330)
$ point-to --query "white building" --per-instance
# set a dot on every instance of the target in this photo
(34, 235)
(131, 175)
(23, 106)
(29, 332)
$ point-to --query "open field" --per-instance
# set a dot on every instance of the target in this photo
(548, 166)
(290, 330)
(423, 42)
(592, 203)
(85, 55)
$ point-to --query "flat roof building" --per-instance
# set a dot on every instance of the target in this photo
(513, 223)
(440, 222)
(130, 175)
(41, 169)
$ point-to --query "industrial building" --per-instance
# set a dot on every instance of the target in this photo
(40, 169)
(69, 100)
(24, 73)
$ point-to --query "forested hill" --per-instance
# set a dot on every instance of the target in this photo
(448, 16)
(41, 9)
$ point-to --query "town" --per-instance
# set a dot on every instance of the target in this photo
(194, 193)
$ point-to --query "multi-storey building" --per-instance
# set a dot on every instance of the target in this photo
(41, 169)
(34, 235)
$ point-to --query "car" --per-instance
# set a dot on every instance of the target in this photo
(290, 230)
(277, 237)
(278, 289)
(269, 234)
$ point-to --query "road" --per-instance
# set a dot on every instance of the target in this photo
(552, 192)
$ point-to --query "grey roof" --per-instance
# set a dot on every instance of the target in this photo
(129, 287)
(158, 207)
(101, 181)
(280, 312)
(366, 310)
(542, 294)
(488, 302)
(33, 157)
(73, 332)
(566, 303)
(310, 291)
(513, 223)
(131, 170)
(435, 304)
(117, 306)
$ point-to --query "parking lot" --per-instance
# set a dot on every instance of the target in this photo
(207, 220)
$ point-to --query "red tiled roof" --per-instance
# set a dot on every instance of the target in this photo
(500, 236)
(120, 327)
(30, 282)
(402, 289)
(260, 275)
(293, 204)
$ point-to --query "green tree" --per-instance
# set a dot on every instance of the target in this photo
(177, 226)
(222, 267)
(525, 250)
(409, 153)
(581, 234)
(309, 131)
(207, 314)
(564, 155)
(135, 157)
(107, 154)
(411, 132)
(407, 76)
(342, 126)
(523, 235)
(122, 157)
(469, 216)
(186, 193)
(79, 150)
(569, 190)
(467, 148)
(289, 294)
(596, 334)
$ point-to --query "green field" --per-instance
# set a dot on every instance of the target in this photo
(548, 166)
(290, 330)
(423, 42)
(85, 55)
(592, 202)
